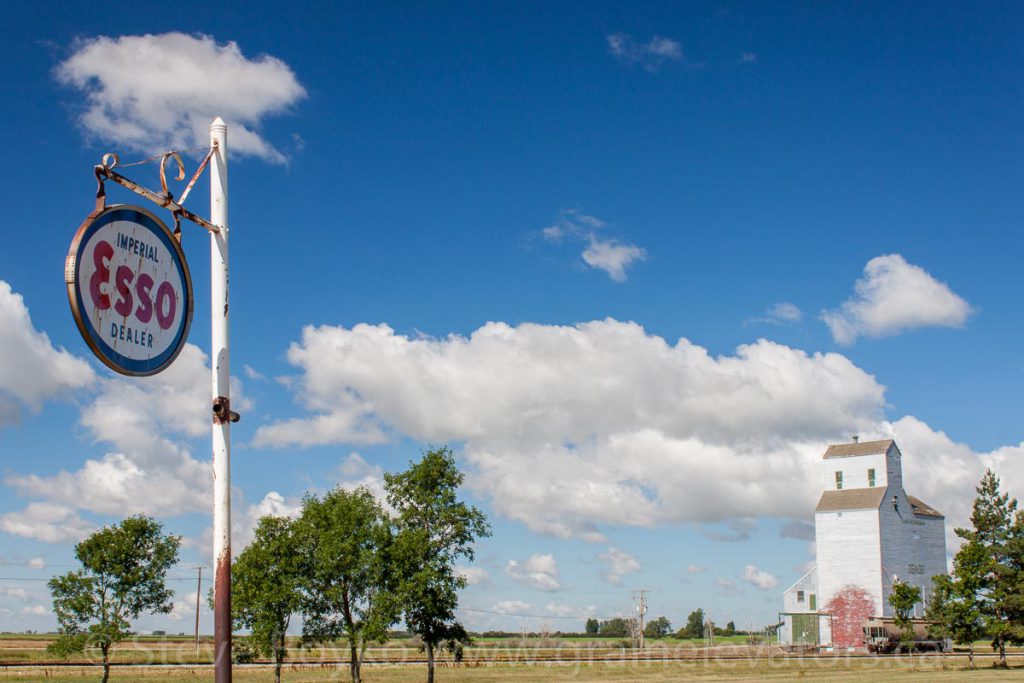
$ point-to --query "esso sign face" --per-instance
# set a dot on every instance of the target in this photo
(130, 290)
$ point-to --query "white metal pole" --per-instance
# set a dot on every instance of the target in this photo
(221, 376)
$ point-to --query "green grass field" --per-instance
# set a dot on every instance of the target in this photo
(508, 659)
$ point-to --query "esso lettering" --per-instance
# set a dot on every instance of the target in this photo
(138, 299)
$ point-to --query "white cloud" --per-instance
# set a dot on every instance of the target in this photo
(567, 428)
(34, 611)
(32, 370)
(46, 522)
(145, 420)
(695, 569)
(353, 427)
(895, 296)
(474, 576)
(354, 472)
(619, 564)
(728, 588)
(612, 257)
(783, 313)
(563, 610)
(16, 593)
(759, 578)
(253, 374)
(184, 608)
(156, 92)
(540, 571)
(37, 563)
(650, 55)
(601, 252)
(511, 607)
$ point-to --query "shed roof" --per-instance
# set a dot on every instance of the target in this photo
(851, 499)
(847, 450)
(922, 509)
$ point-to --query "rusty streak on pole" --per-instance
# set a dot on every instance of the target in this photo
(199, 591)
(220, 375)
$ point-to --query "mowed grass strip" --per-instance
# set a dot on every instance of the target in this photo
(873, 670)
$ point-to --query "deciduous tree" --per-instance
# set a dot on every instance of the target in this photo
(694, 625)
(123, 574)
(658, 628)
(265, 587)
(903, 598)
(348, 571)
(435, 529)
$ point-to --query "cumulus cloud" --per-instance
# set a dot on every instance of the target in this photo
(32, 370)
(759, 578)
(474, 576)
(540, 571)
(156, 92)
(728, 588)
(46, 522)
(570, 428)
(567, 428)
(895, 296)
(37, 563)
(34, 611)
(600, 252)
(695, 569)
(16, 593)
(618, 563)
(144, 420)
(612, 257)
(511, 607)
(651, 55)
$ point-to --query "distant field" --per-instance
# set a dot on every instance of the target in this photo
(508, 659)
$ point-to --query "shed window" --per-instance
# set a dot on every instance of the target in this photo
(839, 480)
(814, 603)
(799, 596)
(871, 477)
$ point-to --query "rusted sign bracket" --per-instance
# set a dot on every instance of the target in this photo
(105, 171)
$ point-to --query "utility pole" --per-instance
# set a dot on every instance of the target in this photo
(199, 592)
(641, 608)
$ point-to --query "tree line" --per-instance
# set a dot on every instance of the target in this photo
(347, 566)
(696, 627)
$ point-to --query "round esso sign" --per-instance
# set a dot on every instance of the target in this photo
(130, 289)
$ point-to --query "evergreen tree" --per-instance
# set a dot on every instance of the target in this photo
(997, 537)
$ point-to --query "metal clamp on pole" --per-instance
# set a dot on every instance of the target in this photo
(222, 411)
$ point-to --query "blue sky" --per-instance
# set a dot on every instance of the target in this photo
(491, 226)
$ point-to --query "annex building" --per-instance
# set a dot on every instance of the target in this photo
(868, 532)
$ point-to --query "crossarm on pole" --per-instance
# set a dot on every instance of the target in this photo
(165, 201)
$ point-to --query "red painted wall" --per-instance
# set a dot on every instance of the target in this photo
(849, 608)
